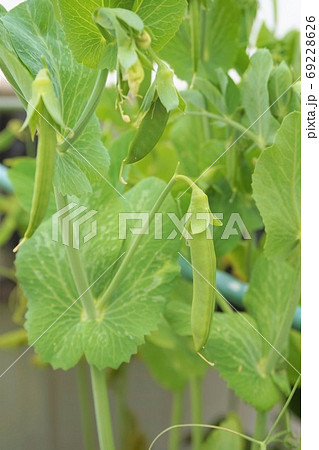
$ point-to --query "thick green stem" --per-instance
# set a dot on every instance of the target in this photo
(196, 400)
(260, 429)
(85, 405)
(177, 413)
(126, 260)
(88, 110)
(101, 406)
(102, 409)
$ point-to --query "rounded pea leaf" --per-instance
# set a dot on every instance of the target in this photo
(237, 351)
(276, 181)
(56, 321)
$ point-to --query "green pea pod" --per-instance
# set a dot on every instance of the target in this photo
(204, 267)
(203, 264)
(204, 280)
(149, 133)
(43, 175)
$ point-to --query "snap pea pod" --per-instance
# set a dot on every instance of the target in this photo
(149, 133)
(43, 176)
(204, 267)
(203, 264)
(204, 280)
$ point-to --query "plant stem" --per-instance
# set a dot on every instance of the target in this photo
(208, 427)
(177, 411)
(272, 429)
(125, 261)
(102, 409)
(77, 269)
(221, 302)
(195, 20)
(101, 406)
(231, 123)
(88, 110)
(195, 389)
(260, 428)
(85, 405)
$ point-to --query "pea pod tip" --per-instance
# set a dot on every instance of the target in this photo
(16, 248)
(206, 360)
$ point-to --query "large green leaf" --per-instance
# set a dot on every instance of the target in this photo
(276, 189)
(135, 307)
(280, 81)
(272, 298)
(223, 440)
(222, 34)
(171, 359)
(35, 33)
(255, 97)
(161, 18)
(85, 39)
(22, 175)
(12, 67)
(83, 164)
(178, 53)
(238, 353)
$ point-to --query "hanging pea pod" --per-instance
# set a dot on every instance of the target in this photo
(204, 268)
(203, 264)
(204, 276)
(149, 133)
(45, 115)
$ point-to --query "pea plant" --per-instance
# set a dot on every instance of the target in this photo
(196, 125)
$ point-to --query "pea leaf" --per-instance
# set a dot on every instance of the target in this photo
(178, 54)
(34, 32)
(256, 101)
(162, 19)
(22, 174)
(83, 164)
(237, 351)
(280, 80)
(86, 41)
(12, 67)
(222, 34)
(272, 298)
(276, 181)
(170, 359)
(223, 440)
(133, 310)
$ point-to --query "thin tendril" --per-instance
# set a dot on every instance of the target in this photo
(214, 427)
